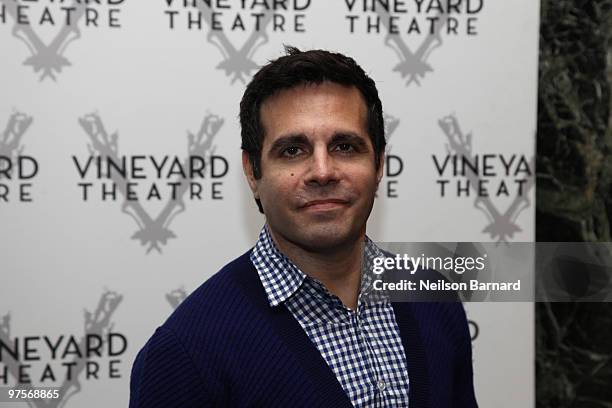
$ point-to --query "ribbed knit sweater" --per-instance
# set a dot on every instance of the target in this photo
(225, 346)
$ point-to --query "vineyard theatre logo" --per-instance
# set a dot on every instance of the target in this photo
(484, 177)
(66, 362)
(137, 179)
(423, 23)
(227, 19)
(17, 171)
(394, 165)
(34, 18)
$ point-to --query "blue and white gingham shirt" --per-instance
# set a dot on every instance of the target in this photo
(363, 347)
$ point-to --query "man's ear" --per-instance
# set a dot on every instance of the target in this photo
(247, 168)
(381, 167)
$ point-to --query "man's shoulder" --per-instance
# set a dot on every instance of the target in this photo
(228, 297)
(191, 349)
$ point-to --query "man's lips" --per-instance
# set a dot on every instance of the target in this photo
(326, 204)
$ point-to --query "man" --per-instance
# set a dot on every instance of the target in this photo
(292, 322)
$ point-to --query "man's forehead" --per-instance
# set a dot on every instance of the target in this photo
(330, 107)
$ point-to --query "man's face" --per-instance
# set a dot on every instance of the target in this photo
(318, 174)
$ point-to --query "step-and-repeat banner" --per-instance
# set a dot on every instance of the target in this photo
(121, 188)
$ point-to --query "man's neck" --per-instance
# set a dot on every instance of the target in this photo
(338, 270)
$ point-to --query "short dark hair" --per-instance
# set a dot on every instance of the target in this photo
(302, 68)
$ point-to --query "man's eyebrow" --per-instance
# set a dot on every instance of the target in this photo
(289, 140)
(349, 137)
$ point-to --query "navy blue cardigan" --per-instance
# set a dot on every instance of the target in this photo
(225, 346)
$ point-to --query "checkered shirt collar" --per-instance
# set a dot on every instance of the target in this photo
(281, 278)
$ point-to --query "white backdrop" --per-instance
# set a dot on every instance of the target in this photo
(120, 82)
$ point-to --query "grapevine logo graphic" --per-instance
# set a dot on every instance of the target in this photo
(474, 175)
(125, 174)
(391, 124)
(261, 16)
(98, 340)
(10, 142)
(413, 65)
(48, 58)
(237, 62)
(16, 168)
(176, 297)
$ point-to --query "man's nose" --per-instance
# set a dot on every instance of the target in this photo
(322, 168)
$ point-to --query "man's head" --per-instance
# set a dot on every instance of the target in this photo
(313, 144)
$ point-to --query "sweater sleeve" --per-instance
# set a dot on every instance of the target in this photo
(164, 376)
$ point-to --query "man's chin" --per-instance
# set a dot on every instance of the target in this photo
(325, 238)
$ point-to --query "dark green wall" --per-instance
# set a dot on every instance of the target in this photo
(574, 194)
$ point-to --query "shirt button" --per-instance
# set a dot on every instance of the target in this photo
(381, 385)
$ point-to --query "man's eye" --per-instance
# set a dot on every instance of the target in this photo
(345, 147)
(291, 151)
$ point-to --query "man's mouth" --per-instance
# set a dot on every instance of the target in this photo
(323, 205)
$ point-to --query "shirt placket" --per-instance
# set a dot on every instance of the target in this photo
(354, 318)
(375, 372)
